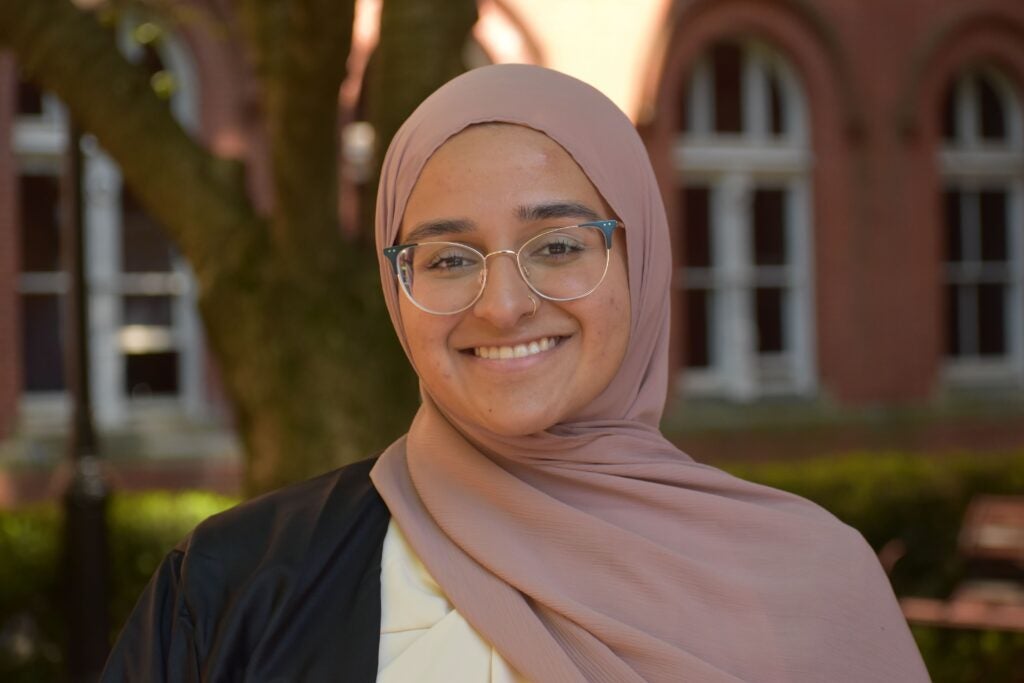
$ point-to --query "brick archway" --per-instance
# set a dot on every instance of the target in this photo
(959, 40)
(834, 120)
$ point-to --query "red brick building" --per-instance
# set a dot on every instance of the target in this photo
(844, 182)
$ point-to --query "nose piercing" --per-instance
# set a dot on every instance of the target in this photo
(534, 312)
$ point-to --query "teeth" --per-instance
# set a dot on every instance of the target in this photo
(517, 351)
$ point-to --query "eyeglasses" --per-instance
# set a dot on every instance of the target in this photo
(561, 264)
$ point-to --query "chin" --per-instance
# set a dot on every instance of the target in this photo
(524, 425)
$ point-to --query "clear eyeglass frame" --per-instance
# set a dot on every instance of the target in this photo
(607, 228)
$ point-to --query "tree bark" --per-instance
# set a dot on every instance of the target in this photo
(292, 311)
(199, 198)
(421, 47)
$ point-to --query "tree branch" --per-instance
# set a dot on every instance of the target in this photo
(200, 199)
(300, 49)
(421, 46)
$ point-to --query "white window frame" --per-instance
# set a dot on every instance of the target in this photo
(39, 145)
(733, 166)
(970, 163)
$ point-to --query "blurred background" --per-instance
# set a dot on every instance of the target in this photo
(186, 201)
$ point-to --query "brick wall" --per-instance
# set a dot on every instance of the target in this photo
(873, 73)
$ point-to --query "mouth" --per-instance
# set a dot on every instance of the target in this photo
(513, 351)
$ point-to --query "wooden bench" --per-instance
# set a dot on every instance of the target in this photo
(992, 595)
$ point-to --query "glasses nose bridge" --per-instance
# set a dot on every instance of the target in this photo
(507, 252)
(510, 252)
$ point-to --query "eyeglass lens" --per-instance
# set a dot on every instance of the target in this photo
(563, 264)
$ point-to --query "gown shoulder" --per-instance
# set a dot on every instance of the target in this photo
(284, 586)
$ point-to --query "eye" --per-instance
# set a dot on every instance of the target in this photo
(449, 260)
(555, 247)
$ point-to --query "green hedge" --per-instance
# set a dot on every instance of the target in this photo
(919, 500)
(143, 527)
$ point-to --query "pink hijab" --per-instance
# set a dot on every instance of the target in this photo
(596, 550)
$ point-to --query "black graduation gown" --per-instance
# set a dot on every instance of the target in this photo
(285, 587)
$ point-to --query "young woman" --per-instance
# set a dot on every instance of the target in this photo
(533, 524)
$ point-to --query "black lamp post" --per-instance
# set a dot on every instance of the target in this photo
(85, 500)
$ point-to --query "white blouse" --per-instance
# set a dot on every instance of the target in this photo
(422, 637)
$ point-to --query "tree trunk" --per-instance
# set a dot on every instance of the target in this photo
(421, 47)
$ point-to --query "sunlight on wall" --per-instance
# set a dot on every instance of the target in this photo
(606, 43)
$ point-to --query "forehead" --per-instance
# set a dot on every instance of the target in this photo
(491, 172)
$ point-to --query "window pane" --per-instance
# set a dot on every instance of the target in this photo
(148, 310)
(144, 246)
(696, 227)
(769, 226)
(30, 99)
(42, 342)
(991, 320)
(151, 373)
(726, 65)
(776, 121)
(951, 216)
(40, 223)
(697, 328)
(991, 114)
(949, 114)
(953, 321)
(768, 301)
(993, 225)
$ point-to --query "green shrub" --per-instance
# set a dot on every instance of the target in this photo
(31, 634)
(957, 656)
(919, 500)
(142, 529)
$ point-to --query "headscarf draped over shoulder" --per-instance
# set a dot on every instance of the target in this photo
(596, 550)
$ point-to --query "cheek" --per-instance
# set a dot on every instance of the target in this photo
(618, 311)
(618, 330)
(427, 337)
(608, 320)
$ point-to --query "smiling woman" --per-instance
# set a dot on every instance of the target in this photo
(533, 524)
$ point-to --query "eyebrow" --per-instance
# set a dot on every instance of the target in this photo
(439, 228)
(445, 227)
(559, 209)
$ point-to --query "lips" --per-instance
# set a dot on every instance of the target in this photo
(520, 350)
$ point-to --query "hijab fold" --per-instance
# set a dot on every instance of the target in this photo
(596, 550)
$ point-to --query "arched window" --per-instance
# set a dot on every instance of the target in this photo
(982, 161)
(742, 158)
(145, 338)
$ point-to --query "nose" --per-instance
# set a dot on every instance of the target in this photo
(506, 298)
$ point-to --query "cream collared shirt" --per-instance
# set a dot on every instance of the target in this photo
(422, 637)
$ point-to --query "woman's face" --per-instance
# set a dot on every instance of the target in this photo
(493, 187)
